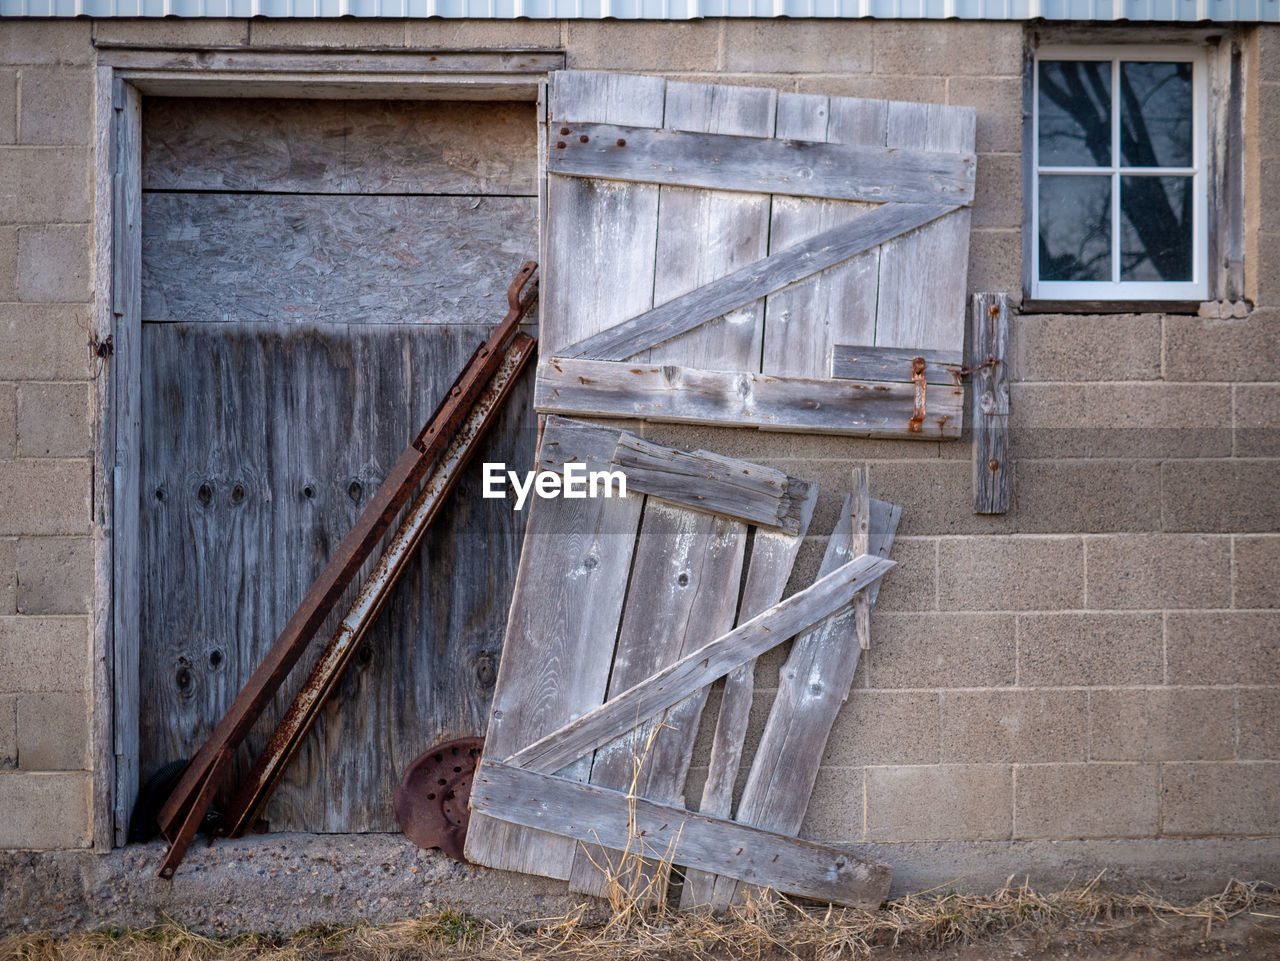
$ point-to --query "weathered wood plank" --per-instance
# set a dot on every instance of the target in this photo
(607, 388)
(340, 259)
(838, 304)
(773, 554)
(339, 146)
(713, 483)
(922, 276)
(992, 462)
(683, 589)
(761, 165)
(814, 682)
(708, 663)
(758, 279)
(703, 235)
(583, 811)
(260, 445)
(319, 61)
(591, 222)
(564, 616)
(894, 364)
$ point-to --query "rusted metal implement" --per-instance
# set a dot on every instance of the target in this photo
(431, 799)
(185, 808)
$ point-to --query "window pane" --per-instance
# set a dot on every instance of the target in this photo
(1075, 228)
(1074, 112)
(1155, 228)
(1155, 114)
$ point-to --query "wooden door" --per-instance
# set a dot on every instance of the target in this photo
(314, 276)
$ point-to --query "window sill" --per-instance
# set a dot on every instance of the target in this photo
(1109, 307)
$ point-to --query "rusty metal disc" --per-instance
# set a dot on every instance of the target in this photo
(432, 800)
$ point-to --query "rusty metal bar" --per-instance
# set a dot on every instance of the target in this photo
(315, 691)
(184, 809)
(916, 424)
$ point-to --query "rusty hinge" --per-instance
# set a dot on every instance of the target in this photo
(916, 424)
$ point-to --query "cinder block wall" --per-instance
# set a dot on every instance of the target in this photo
(1101, 662)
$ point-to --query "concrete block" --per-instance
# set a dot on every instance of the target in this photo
(1156, 571)
(44, 497)
(999, 104)
(46, 41)
(1092, 496)
(1257, 420)
(1010, 574)
(172, 32)
(995, 261)
(1268, 273)
(55, 575)
(1059, 347)
(8, 732)
(1255, 571)
(44, 185)
(1223, 647)
(44, 654)
(885, 727)
(1269, 117)
(1268, 53)
(941, 650)
(1024, 726)
(53, 263)
(8, 421)
(948, 802)
(854, 450)
(936, 497)
(1258, 725)
(1087, 801)
(1234, 349)
(1223, 798)
(835, 813)
(1090, 648)
(8, 576)
(337, 33)
(56, 105)
(757, 446)
(648, 45)
(44, 811)
(1173, 724)
(1268, 216)
(997, 197)
(913, 584)
(8, 106)
(1220, 495)
(54, 420)
(40, 342)
(1121, 420)
(482, 34)
(797, 46)
(954, 48)
(874, 86)
(8, 264)
(53, 732)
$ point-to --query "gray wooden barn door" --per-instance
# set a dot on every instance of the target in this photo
(314, 275)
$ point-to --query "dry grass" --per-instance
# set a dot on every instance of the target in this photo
(759, 930)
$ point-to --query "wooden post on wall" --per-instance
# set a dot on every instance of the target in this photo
(992, 464)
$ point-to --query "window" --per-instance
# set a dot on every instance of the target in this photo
(1120, 203)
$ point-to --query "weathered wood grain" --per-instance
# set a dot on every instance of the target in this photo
(757, 279)
(584, 811)
(773, 554)
(678, 394)
(921, 301)
(320, 61)
(339, 259)
(684, 586)
(708, 663)
(260, 444)
(564, 615)
(712, 483)
(894, 364)
(992, 461)
(704, 235)
(595, 223)
(339, 146)
(762, 165)
(814, 682)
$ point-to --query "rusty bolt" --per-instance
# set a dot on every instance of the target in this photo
(621, 142)
(583, 139)
(564, 131)
(993, 464)
(560, 144)
(994, 310)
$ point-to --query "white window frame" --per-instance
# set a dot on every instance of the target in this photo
(1198, 287)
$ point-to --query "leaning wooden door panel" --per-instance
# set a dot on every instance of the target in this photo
(259, 447)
